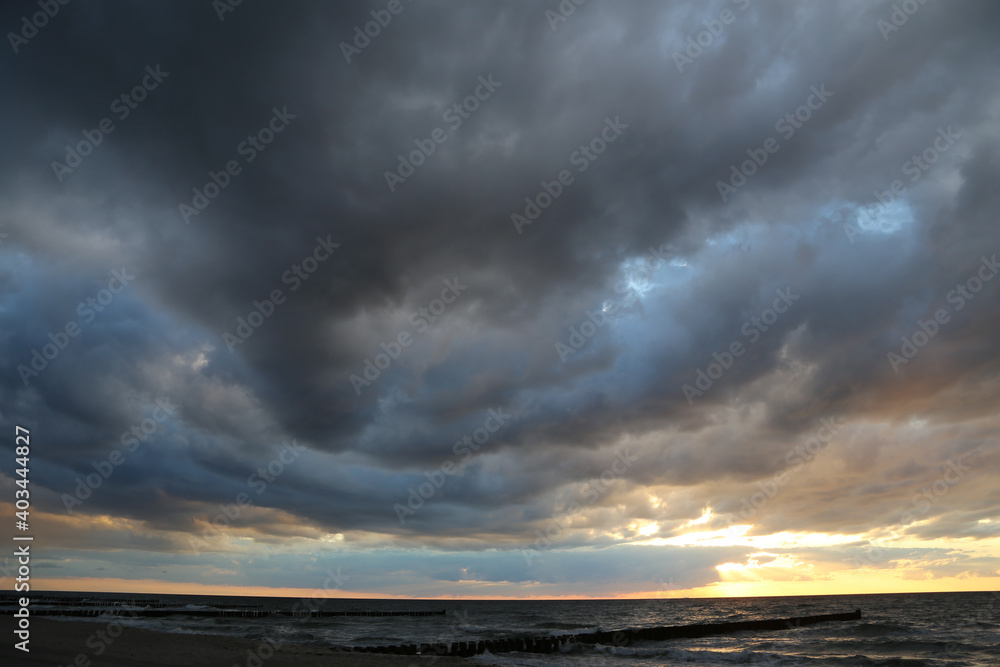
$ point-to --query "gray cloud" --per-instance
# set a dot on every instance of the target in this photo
(494, 347)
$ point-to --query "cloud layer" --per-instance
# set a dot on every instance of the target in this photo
(473, 265)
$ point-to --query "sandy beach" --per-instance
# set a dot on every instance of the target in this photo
(77, 643)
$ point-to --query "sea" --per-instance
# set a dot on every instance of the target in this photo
(896, 630)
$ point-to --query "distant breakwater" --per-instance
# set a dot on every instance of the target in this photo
(555, 643)
(215, 613)
(85, 606)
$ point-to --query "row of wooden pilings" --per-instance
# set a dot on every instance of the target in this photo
(466, 649)
(152, 613)
(92, 602)
(219, 613)
(624, 637)
(105, 605)
(112, 602)
(318, 614)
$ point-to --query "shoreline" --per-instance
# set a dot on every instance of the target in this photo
(86, 643)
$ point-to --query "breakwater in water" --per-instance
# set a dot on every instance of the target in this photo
(86, 607)
(217, 613)
(554, 643)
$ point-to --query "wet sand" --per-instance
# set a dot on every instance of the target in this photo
(77, 643)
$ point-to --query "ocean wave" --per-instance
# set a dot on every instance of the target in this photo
(518, 659)
(375, 640)
(876, 629)
(478, 629)
(554, 627)
(678, 654)
(621, 656)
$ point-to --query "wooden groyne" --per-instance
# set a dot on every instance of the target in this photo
(150, 603)
(151, 613)
(554, 643)
(102, 604)
(86, 606)
(87, 602)
(97, 602)
(216, 613)
(318, 614)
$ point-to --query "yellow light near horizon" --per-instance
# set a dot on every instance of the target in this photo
(729, 536)
(755, 570)
(725, 567)
(705, 517)
(648, 529)
(839, 583)
(736, 535)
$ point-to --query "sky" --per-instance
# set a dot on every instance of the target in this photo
(502, 300)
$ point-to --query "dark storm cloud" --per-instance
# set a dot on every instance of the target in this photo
(322, 181)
